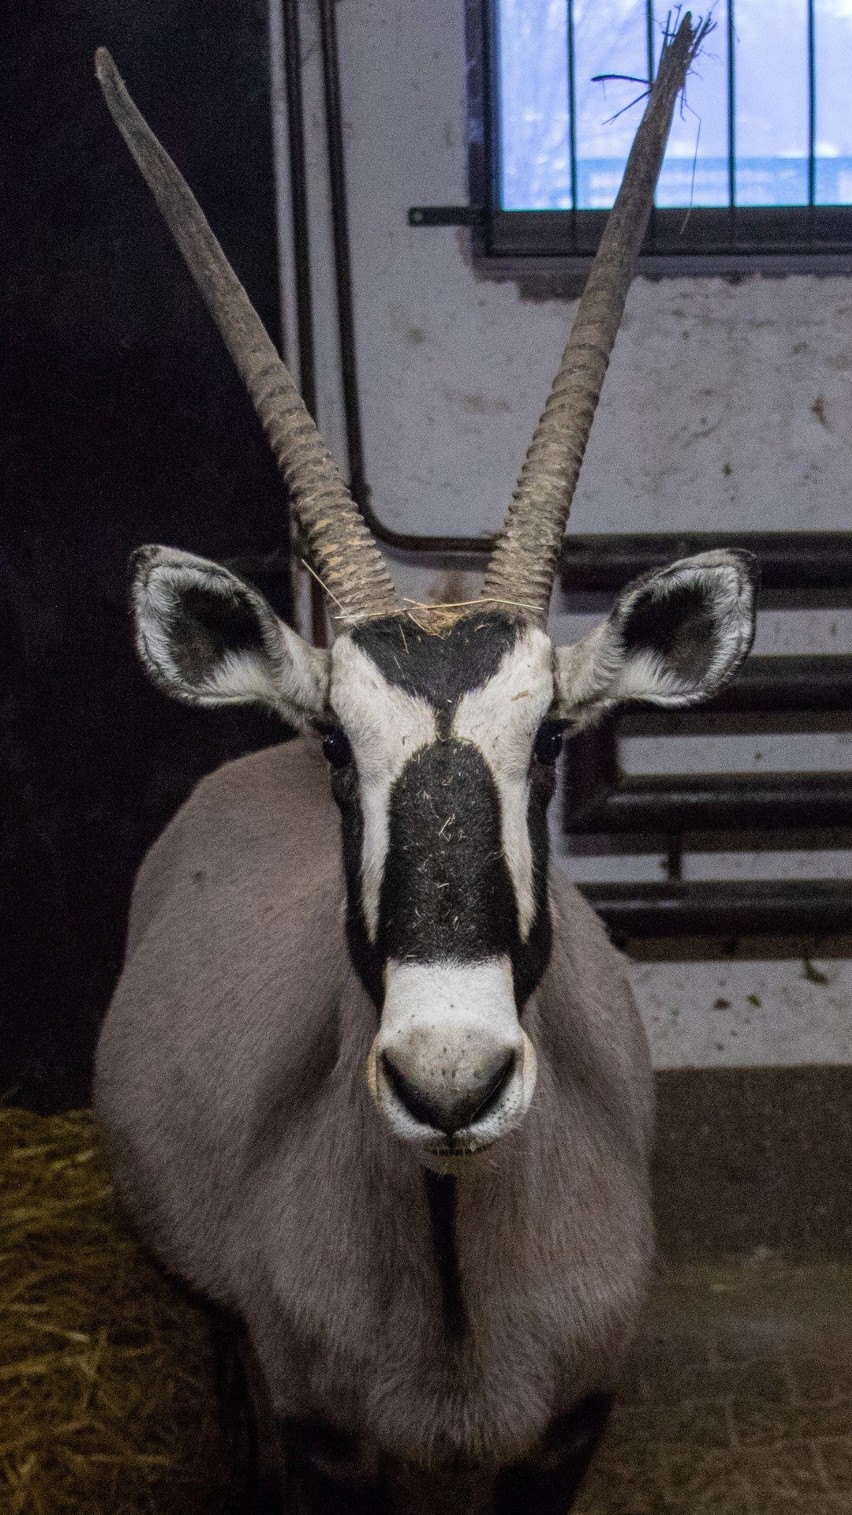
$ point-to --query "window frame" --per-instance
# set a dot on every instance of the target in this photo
(725, 240)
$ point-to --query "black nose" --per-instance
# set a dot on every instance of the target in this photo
(453, 1108)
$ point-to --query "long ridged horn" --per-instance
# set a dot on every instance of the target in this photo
(345, 556)
(523, 563)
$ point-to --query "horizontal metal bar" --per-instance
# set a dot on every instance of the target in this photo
(815, 907)
(540, 271)
(788, 559)
(444, 215)
(771, 686)
(749, 233)
(719, 802)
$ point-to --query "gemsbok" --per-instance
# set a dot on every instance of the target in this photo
(373, 1078)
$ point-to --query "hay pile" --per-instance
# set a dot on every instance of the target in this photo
(107, 1403)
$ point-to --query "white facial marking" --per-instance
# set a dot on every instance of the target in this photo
(501, 719)
(441, 1022)
(385, 726)
(468, 1000)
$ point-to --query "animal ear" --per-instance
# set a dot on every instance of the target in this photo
(673, 638)
(209, 638)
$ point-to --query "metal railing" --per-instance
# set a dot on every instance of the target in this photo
(732, 811)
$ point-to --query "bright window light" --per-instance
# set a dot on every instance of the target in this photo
(766, 119)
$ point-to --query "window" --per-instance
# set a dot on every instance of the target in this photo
(759, 162)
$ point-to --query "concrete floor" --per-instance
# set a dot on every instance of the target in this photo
(739, 1398)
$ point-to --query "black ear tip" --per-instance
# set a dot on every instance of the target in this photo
(142, 558)
(748, 559)
(139, 566)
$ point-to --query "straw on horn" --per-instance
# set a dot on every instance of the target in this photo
(524, 560)
(345, 556)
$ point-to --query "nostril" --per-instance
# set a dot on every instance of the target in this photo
(450, 1107)
(490, 1094)
(409, 1095)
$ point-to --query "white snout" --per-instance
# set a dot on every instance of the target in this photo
(451, 1069)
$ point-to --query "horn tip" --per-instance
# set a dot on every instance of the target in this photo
(104, 67)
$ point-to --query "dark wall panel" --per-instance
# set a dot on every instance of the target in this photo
(121, 421)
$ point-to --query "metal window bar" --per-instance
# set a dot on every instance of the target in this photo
(572, 119)
(807, 237)
(649, 34)
(651, 29)
(649, 46)
(732, 115)
(811, 103)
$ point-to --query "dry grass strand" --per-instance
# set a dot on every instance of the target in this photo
(107, 1402)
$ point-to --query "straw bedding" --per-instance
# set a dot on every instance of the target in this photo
(107, 1399)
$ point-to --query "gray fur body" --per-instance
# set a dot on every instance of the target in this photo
(230, 1079)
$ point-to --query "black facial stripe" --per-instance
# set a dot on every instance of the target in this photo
(439, 669)
(367, 962)
(447, 890)
(442, 1200)
(531, 957)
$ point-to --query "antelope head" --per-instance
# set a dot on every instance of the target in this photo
(441, 731)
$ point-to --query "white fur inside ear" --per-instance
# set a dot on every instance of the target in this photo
(272, 667)
(617, 662)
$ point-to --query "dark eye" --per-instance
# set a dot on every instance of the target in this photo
(335, 745)
(548, 742)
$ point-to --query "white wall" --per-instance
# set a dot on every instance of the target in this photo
(726, 406)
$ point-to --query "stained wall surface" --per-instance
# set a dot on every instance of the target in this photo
(727, 406)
